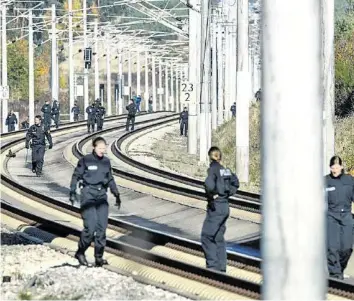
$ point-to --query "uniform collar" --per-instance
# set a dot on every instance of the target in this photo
(97, 157)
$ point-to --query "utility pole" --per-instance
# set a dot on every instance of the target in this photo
(243, 94)
(129, 71)
(327, 12)
(214, 78)
(292, 135)
(138, 72)
(121, 87)
(71, 62)
(229, 75)
(153, 74)
(177, 91)
(109, 85)
(220, 57)
(172, 90)
(86, 87)
(5, 97)
(30, 68)
(167, 106)
(97, 72)
(160, 86)
(54, 55)
(193, 77)
(146, 96)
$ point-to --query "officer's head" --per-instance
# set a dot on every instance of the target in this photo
(132, 100)
(38, 119)
(75, 103)
(12, 111)
(235, 103)
(185, 109)
(214, 154)
(99, 146)
(336, 166)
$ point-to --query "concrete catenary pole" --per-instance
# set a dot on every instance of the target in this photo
(30, 68)
(86, 75)
(243, 94)
(120, 72)
(327, 9)
(171, 88)
(97, 72)
(138, 73)
(220, 58)
(193, 77)
(292, 137)
(129, 69)
(54, 55)
(177, 90)
(167, 106)
(71, 62)
(108, 70)
(146, 94)
(4, 67)
(153, 75)
(214, 83)
(160, 85)
(229, 75)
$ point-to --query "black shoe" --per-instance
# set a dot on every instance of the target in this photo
(33, 170)
(100, 262)
(81, 258)
(89, 132)
(38, 173)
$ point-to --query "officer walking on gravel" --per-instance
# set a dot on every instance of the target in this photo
(56, 112)
(183, 121)
(94, 170)
(220, 184)
(47, 110)
(131, 108)
(37, 133)
(91, 115)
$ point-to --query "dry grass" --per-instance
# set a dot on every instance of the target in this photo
(171, 151)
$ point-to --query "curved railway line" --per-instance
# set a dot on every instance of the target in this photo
(161, 257)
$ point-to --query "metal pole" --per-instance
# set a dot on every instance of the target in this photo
(327, 7)
(86, 87)
(146, 94)
(109, 85)
(97, 72)
(54, 55)
(153, 73)
(214, 82)
(228, 69)
(243, 94)
(160, 85)
(193, 77)
(4, 68)
(167, 107)
(30, 68)
(177, 91)
(220, 58)
(292, 137)
(138, 72)
(129, 70)
(121, 87)
(172, 90)
(71, 61)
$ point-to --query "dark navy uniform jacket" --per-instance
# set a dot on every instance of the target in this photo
(37, 133)
(55, 108)
(91, 112)
(220, 181)
(94, 171)
(11, 119)
(184, 116)
(75, 110)
(25, 124)
(340, 193)
(131, 109)
(46, 109)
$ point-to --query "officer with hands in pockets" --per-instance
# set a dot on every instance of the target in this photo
(95, 174)
(220, 184)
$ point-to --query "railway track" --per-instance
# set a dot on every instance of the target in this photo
(243, 278)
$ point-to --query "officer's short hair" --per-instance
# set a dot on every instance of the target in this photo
(38, 117)
(132, 99)
(98, 140)
(335, 160)
(214, 153)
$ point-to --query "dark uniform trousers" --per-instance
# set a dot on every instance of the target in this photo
(76, 117)
(38, 151)
(131, 119)
(213, 242)
(47, 121)
(183, 126)
(56, 120)
(90, 123)
(339, 241)
(94, 212)
(11, 127)
(99, 123)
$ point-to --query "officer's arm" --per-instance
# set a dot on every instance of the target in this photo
(111, 183)
(210, 183)
(7, 121)
(49, 137)
(235, 184)
(77, 175)
(42, 109)
(28, 137)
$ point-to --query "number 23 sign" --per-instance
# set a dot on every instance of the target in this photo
(186, 89)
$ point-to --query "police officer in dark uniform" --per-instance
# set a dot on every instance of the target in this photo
(94, 170)
(233, 109)
(131, 115)
(91, 115)
(76, 111)
(25, 124)
(46, 110)
(220, 184)
(258, 95)
(37, 133)
(56, 113)
(101, 111)
(11, 120)
(340, 195)
(150, 105)
(183, 121)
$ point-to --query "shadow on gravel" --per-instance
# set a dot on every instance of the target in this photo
(10, 239)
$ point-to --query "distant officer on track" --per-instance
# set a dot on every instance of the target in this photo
(220, 184)
(25, 124)
(131, 115)
(183, 121)
(56, 113)
(47, 110)
(37, 133)
(340, 195)
(94, 170)
(101, 111)
(91, 115)
(11, 120)
(76, 111)
(233, 109)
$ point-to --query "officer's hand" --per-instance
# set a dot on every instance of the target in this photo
(50, 146)
(211, 205)
(73, 197)
(118, 201)
(27, 146)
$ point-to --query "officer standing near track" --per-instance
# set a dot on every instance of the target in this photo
(11, 120)
(233, 109)
(76, 111)
(340, 195)
(91, 115)
(220, 184)
(25, 124)
(131, 115)
(56, 113)
(47, 110)
(37, 133)
(183, 121)
(101, 111)
(94, 170)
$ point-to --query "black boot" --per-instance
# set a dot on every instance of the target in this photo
(81, 258)
(34, 165)
(100, 262)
